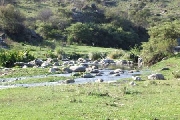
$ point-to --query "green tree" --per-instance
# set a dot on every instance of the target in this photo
(162, 40)
(11, 20)
(47, 30)
(104, 35)
(78, 33)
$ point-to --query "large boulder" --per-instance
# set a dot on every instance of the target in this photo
(38, 62)
(78, 68)
(156, 76)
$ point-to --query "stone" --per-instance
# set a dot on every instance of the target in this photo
(81, 60)
(38, 62)
(156, 76)
(94, 71)
(117, 74)
(52, 70)
(118, 71)
(25, 66)
(165, 69)
(56, 64)
(69, 81)
(99, 80)
(112, 72)
(56, 68)
(136, 78)
(19, 63)
(29, 64)
(94, 67)
(132, 83)
(78, 68)
(99, 74)
(45, 64)
(104, 61)
(121, 62)
(66, 70)
(87, 75)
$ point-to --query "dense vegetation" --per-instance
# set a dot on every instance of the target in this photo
(121, 24)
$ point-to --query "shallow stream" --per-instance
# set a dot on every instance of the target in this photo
(105, 76)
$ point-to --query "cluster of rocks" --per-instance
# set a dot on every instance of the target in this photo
(81, 65)
(86, 68)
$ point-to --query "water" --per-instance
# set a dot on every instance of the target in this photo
(105, 76)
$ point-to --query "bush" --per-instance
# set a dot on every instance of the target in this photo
(8, 58)
(11, 19)
(74, 55)
(96, 55)
(116, 54)
(50, 54)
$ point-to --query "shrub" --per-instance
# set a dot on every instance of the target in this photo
(8, 58)
(51, 54)
(11, 19)
(74, 55)
(116, 54)
(96, 55)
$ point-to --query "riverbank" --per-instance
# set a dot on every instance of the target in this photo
(147, 99)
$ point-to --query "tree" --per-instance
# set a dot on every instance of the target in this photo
(79, 33)
(11, 20)
(103, 35)
(162, 40)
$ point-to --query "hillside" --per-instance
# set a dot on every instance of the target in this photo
(138, 26)
(106, 23)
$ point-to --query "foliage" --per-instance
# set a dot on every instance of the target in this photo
(46, 30)
(104, 35)
(116, 54)
(162, 40)
(45, 14)
(78, 33)
(74, 56)
(11, 20)
(135, 53)
(96, 55)
(8, 58)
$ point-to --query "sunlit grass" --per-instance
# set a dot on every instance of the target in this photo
(93, 101)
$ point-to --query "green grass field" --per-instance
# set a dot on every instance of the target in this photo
(148, 100)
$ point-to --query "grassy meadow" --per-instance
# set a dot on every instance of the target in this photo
(52, 47)
(116, 101)
(148, 100)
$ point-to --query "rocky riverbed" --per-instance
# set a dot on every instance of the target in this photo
(105, 70)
